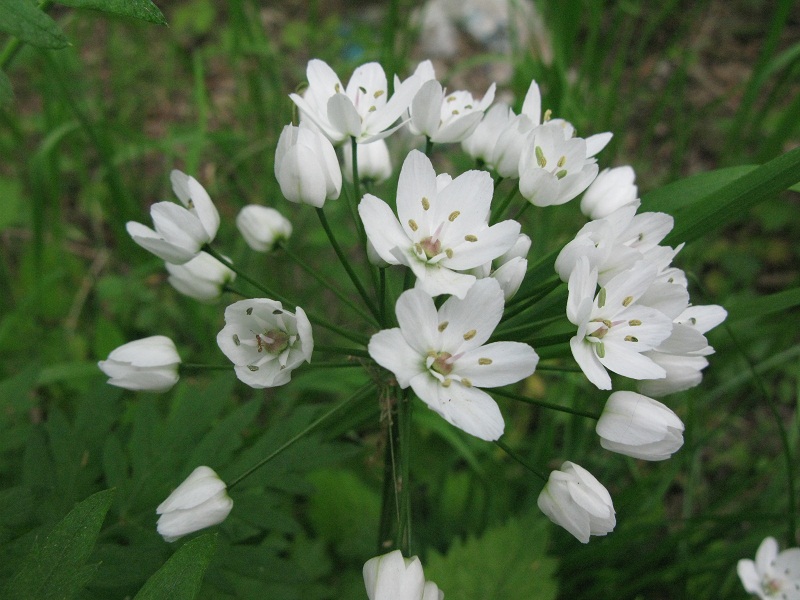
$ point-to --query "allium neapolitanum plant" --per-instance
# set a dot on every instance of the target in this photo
(454, 312)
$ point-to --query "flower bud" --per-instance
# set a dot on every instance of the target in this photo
(202, 278)
(575, 500)
(149, 364)
(374, 163)
(392, 577)
(640, 427)
(199, 502)
(613, 189)
(306, 166)
(262, 227)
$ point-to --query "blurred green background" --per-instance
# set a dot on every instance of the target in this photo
(87, 143)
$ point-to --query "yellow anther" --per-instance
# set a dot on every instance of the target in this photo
(425, 203)
(484, 361)
(630, 338)
(601, 350)
(634, 322)
(561, 162)
(443, 325)
(466, 382)
(470, 334)
(455, 112)
(378, 93)
(372, 109)
(447, 382)
(471, 238)
(453, 215)
(561, 174)
(548, 114)
(236, 339)
(601, 298)
(448, 252)
(451, 99)
(607, 323)
(627, 301)
(413, 224)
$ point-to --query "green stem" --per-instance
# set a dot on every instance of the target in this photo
(524, 304)
(353, 337)
(361, 393)
(332, 365)
(428, 146)
(320, 279)
(382, 295)
(544, 404)
(202, 367)
(390, 501)
(526, 328)
(520, 460)
(404, 483)
(232, 290)
(551, 340)
(14, 44)
(340, 350)
(346, 264)
(503, 205)
(541, 367)
(356, 181)
(522, 210)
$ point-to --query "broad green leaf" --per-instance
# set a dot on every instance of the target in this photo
(56, 568)
(23, 19)
(732, 201)
(6, 93)
(182, 575)
(507, 562)
(137, 9)
(687, 191)
(746, 308)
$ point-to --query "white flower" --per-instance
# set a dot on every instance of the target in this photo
(613, 330)
(361, 110)
(149, 364)
(773, 575)
(202, 278)
(640, 427)
(481, 142)
(613, 189)
(264, 341)
(614, 243)
(442, 356)
(443, 226)
(575, 500)
(447, 117)
(552, 169)
(179, 232)
(262, 227)
(682, 354)
(199, 502)
(510, 269)
(392, 577)
(306, 166)
(374, 162)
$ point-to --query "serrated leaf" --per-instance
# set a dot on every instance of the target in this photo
(24, 20)
(507, 562)
(56, 567)
(182, 575)
(137, 9)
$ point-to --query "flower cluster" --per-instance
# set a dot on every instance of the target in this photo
(462, 268)
(774, 575)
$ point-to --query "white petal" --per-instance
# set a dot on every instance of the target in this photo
(343, 116)
(496, 364)
(589, 363)
(418, 320)
(390, 350)
(472, 320)
(382, 228)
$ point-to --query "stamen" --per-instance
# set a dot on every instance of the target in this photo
(190, 204)
(561, 174)
(627, 301)
(601, 350)
(425, 203)
(249, 311)
(561, 162)
(443, 325)
(236, 340)
(630, 338)
(252, 368)
(634, 322)
(363, 90)
(484, 361)
(378, 93)
(449, 252)
(470, 334)
(601, 298)
(446, 382)
(471, 238)
(453, 215)
(466, 382)
(413, 224)
(540, 159)
(548, 114)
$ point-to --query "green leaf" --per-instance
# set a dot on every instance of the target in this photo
(137, 9)
(507, 562)
(687, 191)
(182, 575)
(6, 93)
(24, 20)
(57, 568)
(733, 200)
(746, 308)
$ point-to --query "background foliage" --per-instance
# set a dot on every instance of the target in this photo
(99, 106)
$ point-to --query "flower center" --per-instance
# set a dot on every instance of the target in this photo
(442, 363)
(771, 586)
(431, 246)
(273, 341)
